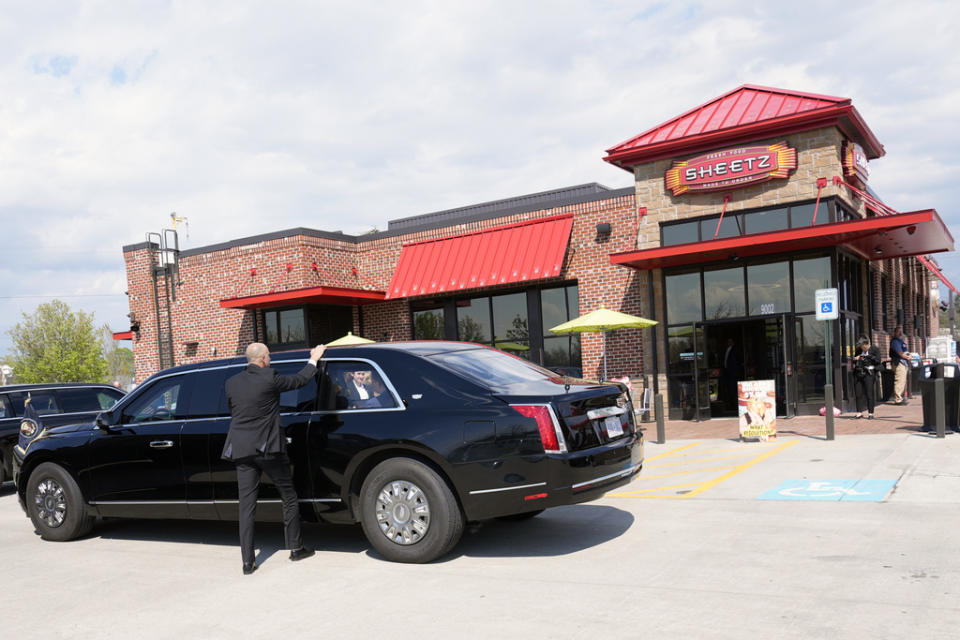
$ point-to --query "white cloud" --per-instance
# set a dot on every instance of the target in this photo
(250, 117)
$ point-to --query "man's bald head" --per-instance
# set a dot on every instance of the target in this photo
(256, 353)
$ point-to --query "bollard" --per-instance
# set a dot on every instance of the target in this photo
(940, 408)
(658, 408)
(828, 396)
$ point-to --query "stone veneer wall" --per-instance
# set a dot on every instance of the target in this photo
(818, 156)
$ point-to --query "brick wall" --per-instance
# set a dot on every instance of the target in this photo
(203, 330)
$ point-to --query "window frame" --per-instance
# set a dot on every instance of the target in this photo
(324, 392)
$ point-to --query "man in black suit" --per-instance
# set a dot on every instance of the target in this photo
(257, 444)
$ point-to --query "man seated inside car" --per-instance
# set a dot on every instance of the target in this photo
(378, 394)
(356, 385)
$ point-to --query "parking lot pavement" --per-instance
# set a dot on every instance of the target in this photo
(830, 558)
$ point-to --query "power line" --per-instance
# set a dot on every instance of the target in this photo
(66, 295)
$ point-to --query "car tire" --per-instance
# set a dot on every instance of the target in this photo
(520, 517)
(408, 512)
(55, 504)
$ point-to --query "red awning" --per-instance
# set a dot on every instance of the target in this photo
(529, 250)
(123, 335)
(317, 295)
(894, 236)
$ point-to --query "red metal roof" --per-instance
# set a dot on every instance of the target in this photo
(519, 252)
(318, 295)
(882, 237)
(745, 113)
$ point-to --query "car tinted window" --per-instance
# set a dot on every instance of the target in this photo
(208, 399)
(355, 385)
(302, 399)
(79, 399)
(108, 397)
(6, 411)
(44, 402)
(160, 401)
(492, 368)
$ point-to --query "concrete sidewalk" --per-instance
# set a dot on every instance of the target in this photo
(890, 418)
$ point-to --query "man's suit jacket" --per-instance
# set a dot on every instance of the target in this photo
(253, 396)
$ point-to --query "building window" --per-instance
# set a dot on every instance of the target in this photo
(808, 276)
(428, 324)
(285, 327)
(768, 288)
(723, 293)
(683, 298)
(560, 351)
(758, 221)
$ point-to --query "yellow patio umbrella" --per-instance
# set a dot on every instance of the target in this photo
(349, 339)
(603, 320)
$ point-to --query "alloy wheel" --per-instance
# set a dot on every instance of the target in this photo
(403, 512)
(51, 503)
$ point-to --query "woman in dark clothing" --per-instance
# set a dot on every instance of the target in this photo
(865, 366)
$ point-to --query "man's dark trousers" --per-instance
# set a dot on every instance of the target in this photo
(277, 468)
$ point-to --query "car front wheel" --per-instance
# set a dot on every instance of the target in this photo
(408, 512)
(55, 504)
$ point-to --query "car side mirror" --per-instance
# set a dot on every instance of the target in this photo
(104, 420)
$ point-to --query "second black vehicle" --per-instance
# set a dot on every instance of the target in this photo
(410, 439)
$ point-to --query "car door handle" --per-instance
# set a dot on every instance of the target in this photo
(161, 444)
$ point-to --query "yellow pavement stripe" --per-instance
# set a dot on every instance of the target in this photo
(628, 494)
(701, 486)
(693, 460)
(670, 453)
(689, 471)
(743, 467)
(752, 445)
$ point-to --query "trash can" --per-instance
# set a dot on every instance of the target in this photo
(951, 390)
(886, 383)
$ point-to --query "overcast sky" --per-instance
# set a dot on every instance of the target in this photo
(247, 118)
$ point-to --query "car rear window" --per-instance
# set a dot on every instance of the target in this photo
(44, 402)
(79, 399)
(492, 368)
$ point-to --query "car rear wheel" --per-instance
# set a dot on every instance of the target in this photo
(519, 517)
(408, 512)
(55, 504)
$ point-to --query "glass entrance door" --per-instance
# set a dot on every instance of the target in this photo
(730, 351)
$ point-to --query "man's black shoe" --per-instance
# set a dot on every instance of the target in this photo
(301, 553)
(249, 568)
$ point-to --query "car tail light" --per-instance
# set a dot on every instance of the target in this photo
(550, 434)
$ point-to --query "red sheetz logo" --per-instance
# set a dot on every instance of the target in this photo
(731, 168)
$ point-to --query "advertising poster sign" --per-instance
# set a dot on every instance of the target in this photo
(757, 406)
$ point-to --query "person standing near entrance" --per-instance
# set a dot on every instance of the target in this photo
(865, 365)
(732, 372)
(901, 359)
(257, 444)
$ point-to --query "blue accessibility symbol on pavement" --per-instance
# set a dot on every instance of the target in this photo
(831, 490)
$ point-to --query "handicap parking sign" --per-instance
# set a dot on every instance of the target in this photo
(825, 303)
(831, 490)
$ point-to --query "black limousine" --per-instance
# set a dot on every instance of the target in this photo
(448, 433)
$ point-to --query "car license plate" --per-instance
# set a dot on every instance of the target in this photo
(613, 426)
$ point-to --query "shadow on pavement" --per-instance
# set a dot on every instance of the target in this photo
(269, 535)
(555, 532)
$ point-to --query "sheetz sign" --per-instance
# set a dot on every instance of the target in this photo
(731, 168)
